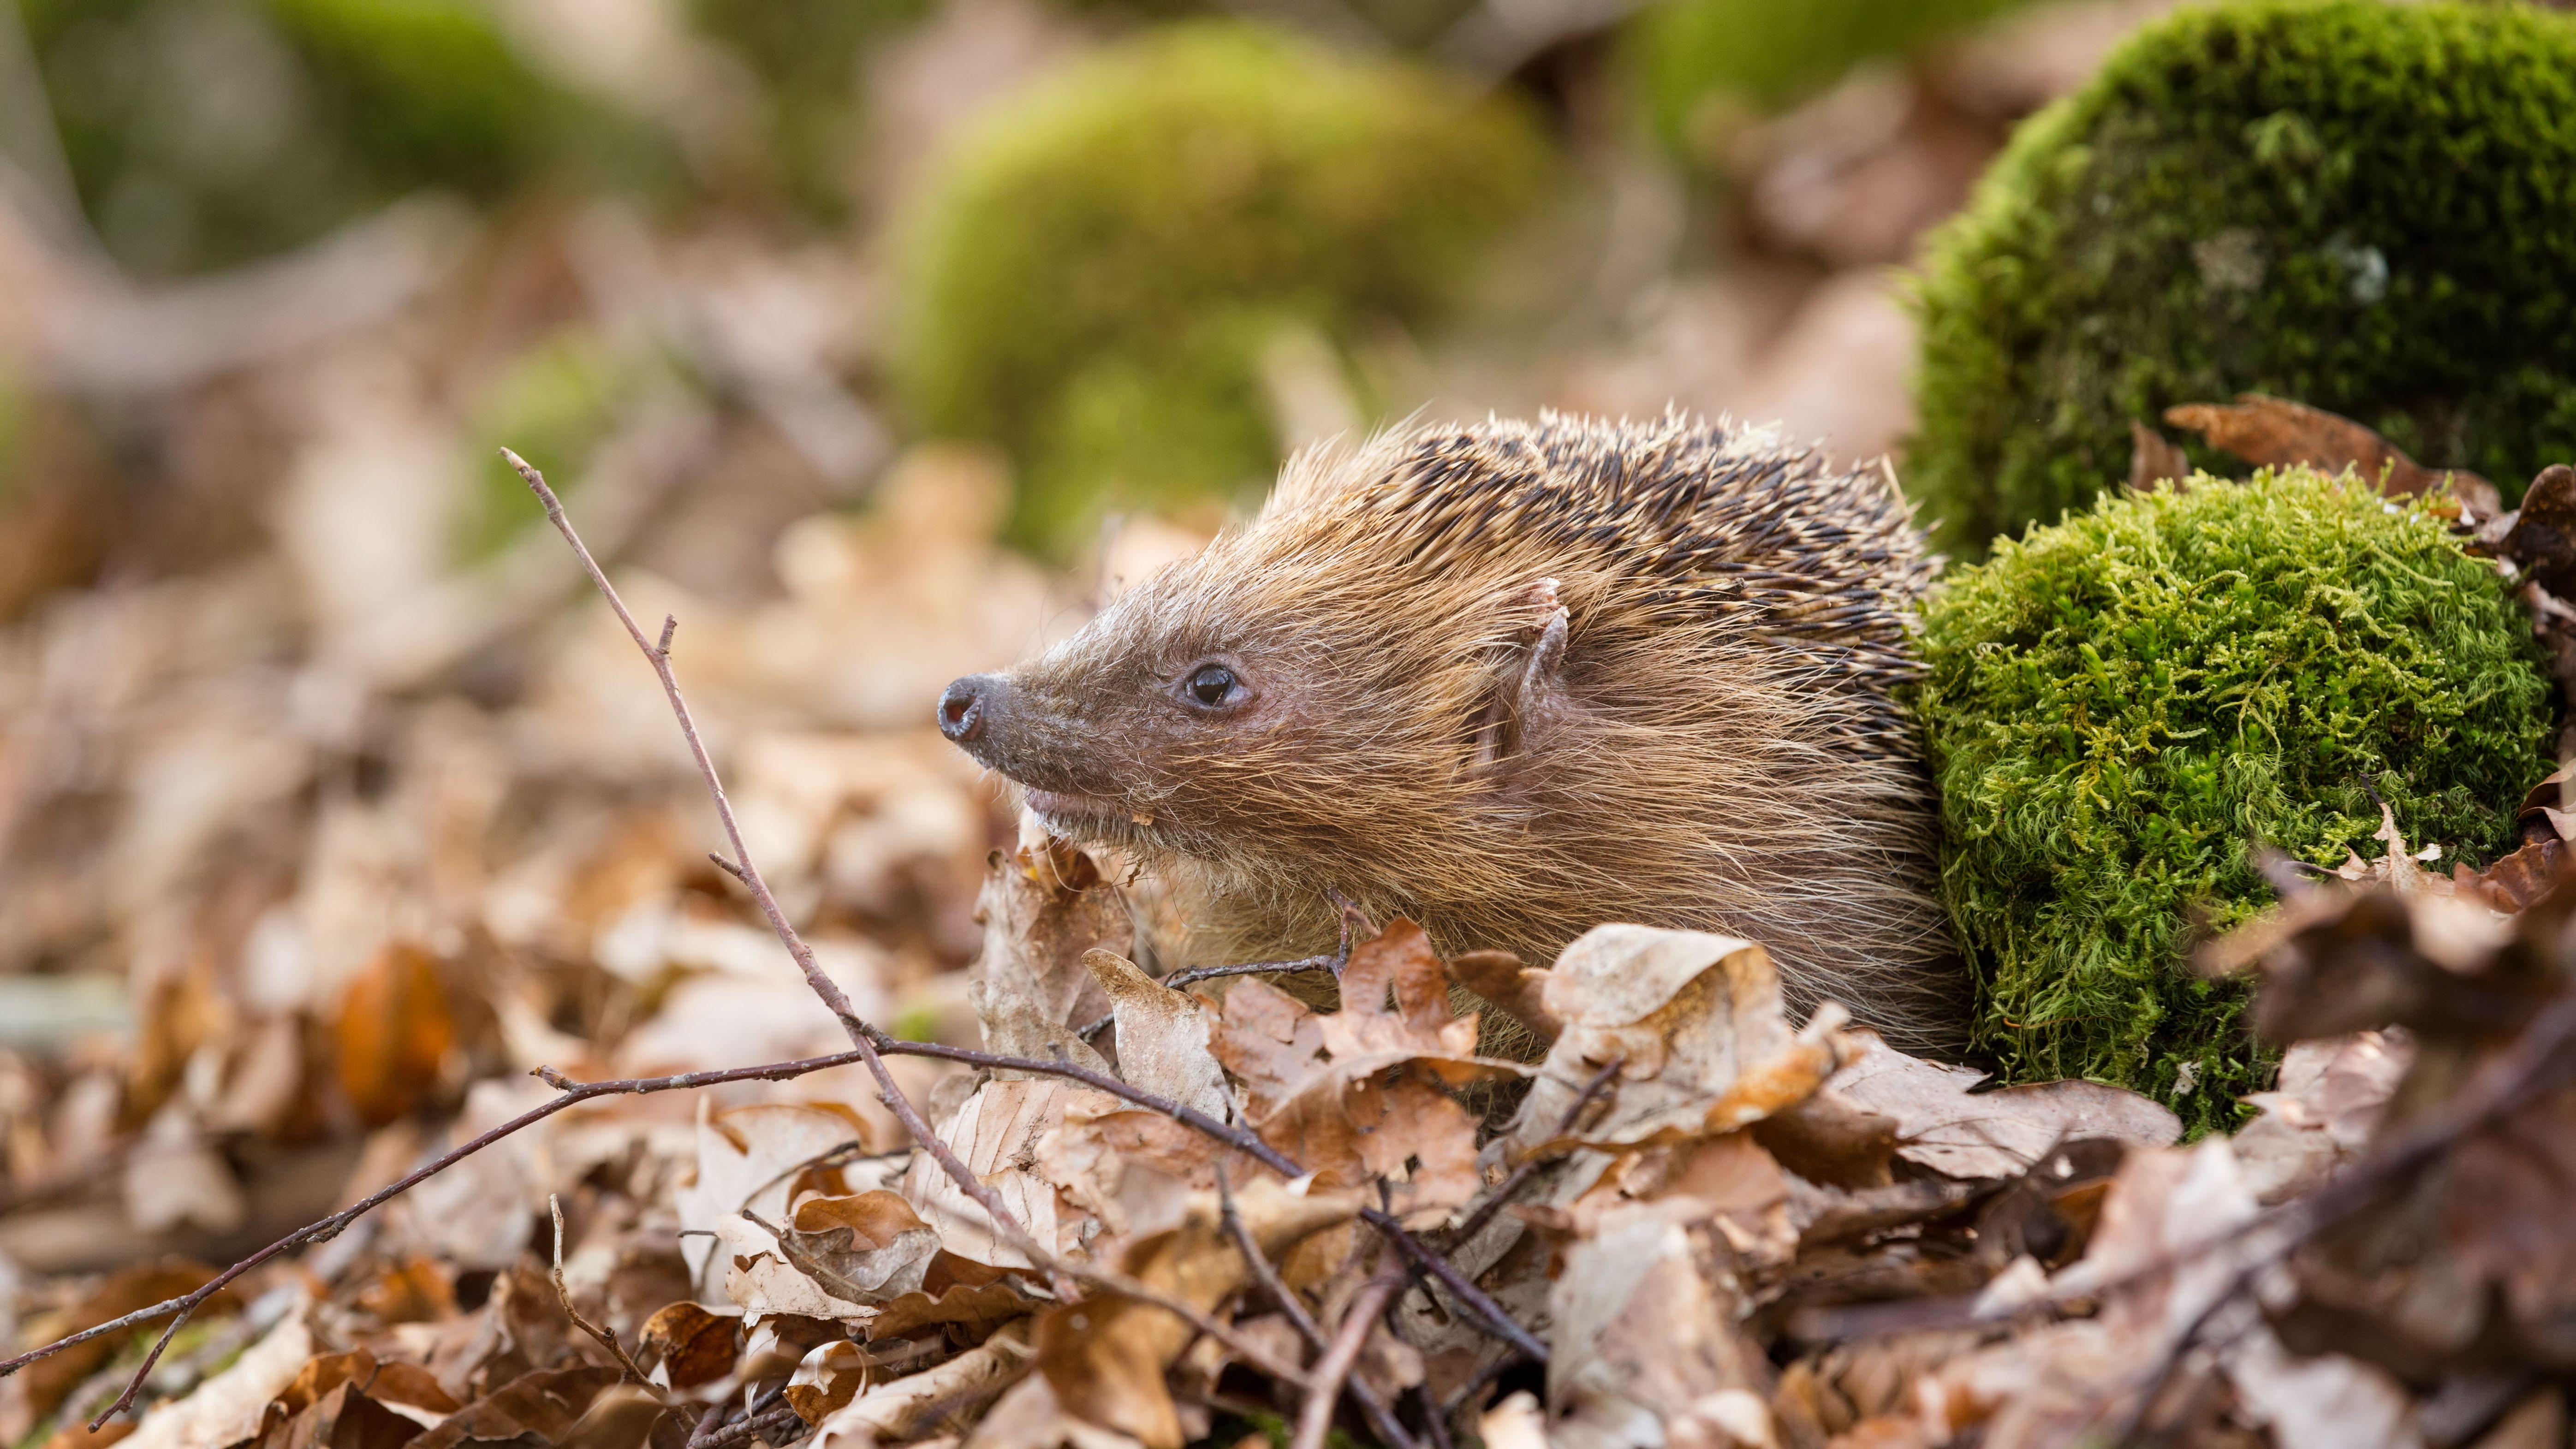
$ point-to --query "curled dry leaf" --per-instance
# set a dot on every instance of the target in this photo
(1043, 907)
(2276, 432)
(1942, 1125)
(1162, 1036)
(693, 1345)
(749, 1158)
(827, 1379)
(975, 1310)
(544, 1404)
(1697, 1024)
(866, 1248)
(996, 1132)
(908, 1407)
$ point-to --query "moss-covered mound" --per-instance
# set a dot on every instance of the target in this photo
(1098, 274)
(202, 133)
(2121, 707)
(1702, 64)
(2362, 206)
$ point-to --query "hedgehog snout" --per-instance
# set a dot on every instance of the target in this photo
(968, 710)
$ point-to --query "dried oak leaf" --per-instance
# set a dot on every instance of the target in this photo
(694, 1346)
(1374, 1104)
(1695, 1022)
(1162, 1036)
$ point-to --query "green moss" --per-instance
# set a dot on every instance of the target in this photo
(1697, 60)
(2366, 207)
(1095, 275)
(2121, 707)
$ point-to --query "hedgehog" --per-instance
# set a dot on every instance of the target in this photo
(1512, 681)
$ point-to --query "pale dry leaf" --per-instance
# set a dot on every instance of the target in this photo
(826, 1380)
(997, 1133)
(905, 1408)
(747, 1160)
(1944, 1126)
(1043, 907)
(2319, 1114)
(869, 1247)
(228, 1408)
(1643, 1335)
(1031, 1416)
(1695, 1021)
(1162, 1037)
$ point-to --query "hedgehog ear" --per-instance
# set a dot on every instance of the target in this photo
(1545, 626)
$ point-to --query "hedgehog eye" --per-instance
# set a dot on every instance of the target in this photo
(1214, 686)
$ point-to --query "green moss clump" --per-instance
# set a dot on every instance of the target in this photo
(204, 133)
(1697, 61)
(1095, 276)
(2362, 206)
(2121, 707)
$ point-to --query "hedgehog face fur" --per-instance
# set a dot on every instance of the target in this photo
(1514, 681)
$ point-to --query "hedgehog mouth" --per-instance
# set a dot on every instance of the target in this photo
(1067, 812)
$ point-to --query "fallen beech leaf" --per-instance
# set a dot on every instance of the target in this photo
(748, 1159)
(1162, 1037)
(865, 1249)
(1643, 1336)
(2542, 540)
(394, 1031)
(2323, 1106)
(1697, 1024)
(695, 1346)
(904, 1409)
(544, 1403)
(2154, 459)
(974, 1310)
(1943, 1126)
(343, 1417)
(2276, 432)
(1031, 1416)
(997, 1133)
(624, 1416)
(1042, 908)
(1502, 981)
(826, 1379)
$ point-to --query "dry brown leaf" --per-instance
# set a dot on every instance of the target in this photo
(1695, 1021)
(2323, 1106)
(231, 1406)
(1943, 1126)
(867, 1248)
(1162, 1037)
(750, 1158)
(975, 1310)
(1647, 1339)
(1105, 1357)
(826, 1380)
(1043, 907)
(908, 1407)
(694, 1346)
(2276, 432)
(544, 1404)
(47, 1380)
(394, 1033)
(997, 1133)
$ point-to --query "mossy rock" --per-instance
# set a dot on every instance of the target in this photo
(1694, 62)
(2124, 707)
(1095, 275)
(2366, 207)
(203, 133)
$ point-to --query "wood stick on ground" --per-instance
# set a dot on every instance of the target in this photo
(862, 1035)
(1317, 1418)
(563, 1295)
(1381, 1417)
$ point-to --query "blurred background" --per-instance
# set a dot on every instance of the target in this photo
(876, 340)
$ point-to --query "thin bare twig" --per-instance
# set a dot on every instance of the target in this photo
(572, 1094)
(563, 1295)
(862, 1035)
(1382, 1419)
(1317, 1418)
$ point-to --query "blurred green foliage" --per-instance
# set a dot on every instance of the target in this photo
(1699, 63)
(1096, 274)
(2370, 208)
(807, 55)
(2123, 707)
(208, 132)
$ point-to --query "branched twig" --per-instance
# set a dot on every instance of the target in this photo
(1317, 1418)
(862, 1035)
(1381, 1418)
(1333, 961)
(563, 1295)
(328, 1228)
(1504, 1191)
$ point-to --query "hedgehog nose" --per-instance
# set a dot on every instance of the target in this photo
(962, 710)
